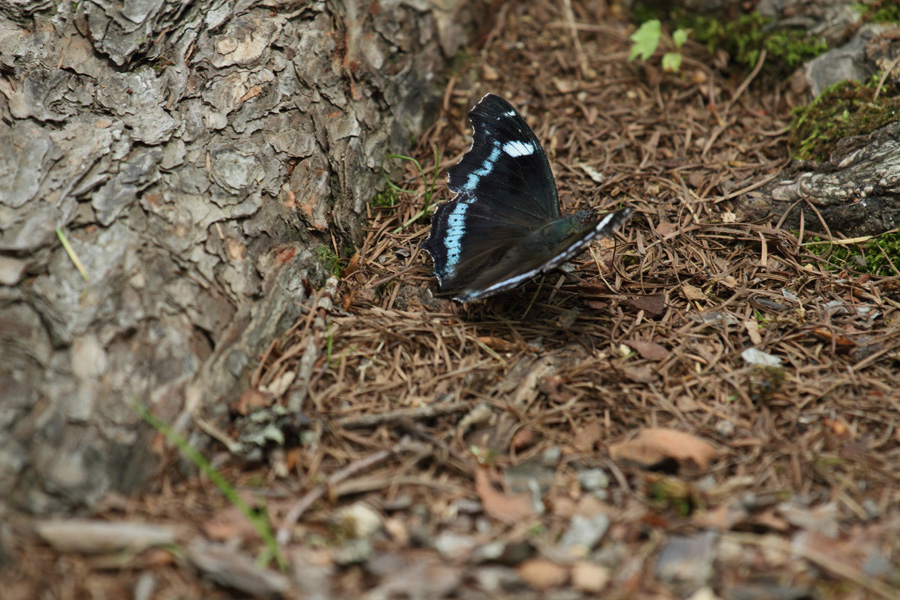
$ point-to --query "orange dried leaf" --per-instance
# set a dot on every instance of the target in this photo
(351, 266)
(653, 446)
(692, 292)
(841, 341)
(649, 350)
(496, 343)
(508, 509)
(654, 305)
(586, 437)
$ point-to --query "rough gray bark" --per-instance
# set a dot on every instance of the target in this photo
(855, 193)
(194, 154)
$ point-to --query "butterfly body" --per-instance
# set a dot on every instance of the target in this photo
(504, 226)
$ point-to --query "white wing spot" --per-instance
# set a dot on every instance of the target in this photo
(517, 148)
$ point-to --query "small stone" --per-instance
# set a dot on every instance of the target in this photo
(358, 520)
(353, 552)
(877, 565)
(704, 593)
(590, 577)
(593, 479)
(543, 574)
(687, 559)
(488, 552)
(453, 546)
(583, 534)
(725, 428)
(871, 508)
(496, 579)
(551, 456)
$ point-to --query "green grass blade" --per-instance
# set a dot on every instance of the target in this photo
(258, 520)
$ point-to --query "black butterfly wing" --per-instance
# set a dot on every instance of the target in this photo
(468, 236)
(505, 190)
(504, 225)
(506, 167)
(530, 256)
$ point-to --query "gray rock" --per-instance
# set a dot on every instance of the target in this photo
(847, 63)
(688, 559)
(593, 479)
(583, 534)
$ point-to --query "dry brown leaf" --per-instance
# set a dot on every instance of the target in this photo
(586, 437)
(723, 518)
(543, 574)
(654, 306)
(252, 399)
(730, 282)
(692, 292)
(665, 228)
(508, 509)
(497, 343)
(229, 524)
(841, 342)
(596, 304)
(752, 328)
(649, 350)
(653, 446)
(522, 439)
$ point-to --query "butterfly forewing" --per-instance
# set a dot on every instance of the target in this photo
(506, 167)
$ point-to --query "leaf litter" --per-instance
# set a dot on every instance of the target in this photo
(480, 438)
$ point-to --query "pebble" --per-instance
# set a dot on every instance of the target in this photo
(583, 534)
(593, 479)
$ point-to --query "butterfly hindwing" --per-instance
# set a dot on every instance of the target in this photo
(467, 236)
(523, 261)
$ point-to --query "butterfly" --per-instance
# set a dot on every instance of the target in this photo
(504, 225)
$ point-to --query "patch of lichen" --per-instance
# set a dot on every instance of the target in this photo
(745, 37)
(878, 256)
(845, 109)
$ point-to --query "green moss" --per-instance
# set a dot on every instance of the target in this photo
(745, 37)
(333, 263)
(792, 47)
(671, 493)
(845, 109)
(880, 11)
(764, 382)
(386, 199)
(874, 256)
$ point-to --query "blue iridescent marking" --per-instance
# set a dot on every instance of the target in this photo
(476, 175)
(456, 228)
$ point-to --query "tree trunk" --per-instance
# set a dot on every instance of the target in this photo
(193, 155)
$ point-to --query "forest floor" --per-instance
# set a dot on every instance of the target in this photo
(702, 407)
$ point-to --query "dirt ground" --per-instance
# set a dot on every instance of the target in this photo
(702, 407)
